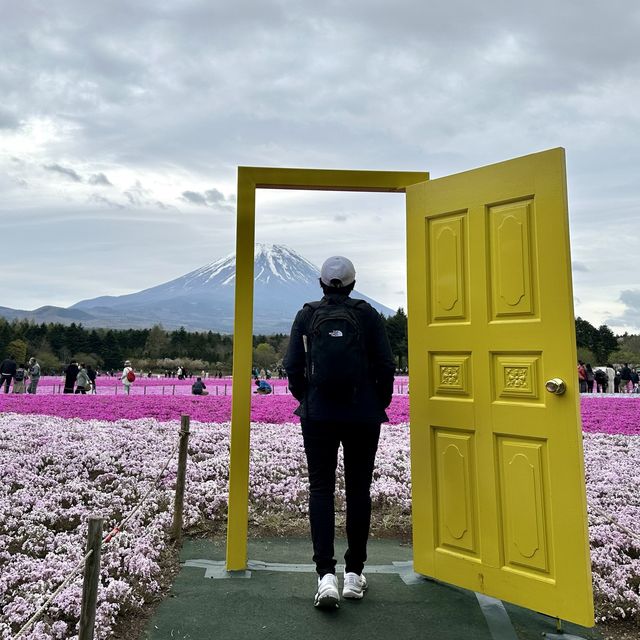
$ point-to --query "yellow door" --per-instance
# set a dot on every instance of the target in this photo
(499, 501)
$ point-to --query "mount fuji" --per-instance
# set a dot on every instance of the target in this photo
(203, 299)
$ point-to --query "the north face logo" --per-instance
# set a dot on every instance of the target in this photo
(336, 333)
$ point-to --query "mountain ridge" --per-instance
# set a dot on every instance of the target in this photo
(203, 299)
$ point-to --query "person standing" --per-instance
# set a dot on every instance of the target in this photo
(83, 381)
(34, 376)
(91, 372)
(70, 375)
(19, 379)
(582, 377)
(590, 377)
(340, 368)
(625, 378)
(7, 371)
(127, 377)
(611, 374)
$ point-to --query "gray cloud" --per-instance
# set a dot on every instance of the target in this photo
(120, 85)
(340, 218)
(105, 201)
(630, 317)
(210, 198)
(139, 196)
(65, 171)
(99, 179)
(194, 198)
(579, 266)
(213, 196)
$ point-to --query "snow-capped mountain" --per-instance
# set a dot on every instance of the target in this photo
(204, 299)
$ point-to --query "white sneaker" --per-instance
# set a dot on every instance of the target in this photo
(328, 595)
(354, 586)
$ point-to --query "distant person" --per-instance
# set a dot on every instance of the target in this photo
(635, 380)
(625, 378)
(590, 377)
(199, 388)
(611, 374)
(264, 388)
(19, 379)
(34, 376)
(602, 380)
(7, 371)
(83, 382)
(93, 374)
(70, 375)
(180, 373)
(341, 369)
(582, 377)
(128, 376)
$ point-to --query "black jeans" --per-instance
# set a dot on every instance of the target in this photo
(360, 444)
(6, 382)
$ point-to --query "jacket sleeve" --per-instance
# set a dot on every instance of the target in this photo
(295, 360)
(382, 361)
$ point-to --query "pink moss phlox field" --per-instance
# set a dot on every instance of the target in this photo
(272, 409)
(106, 385)
(613, 486)
(608, 414)
(57, 472)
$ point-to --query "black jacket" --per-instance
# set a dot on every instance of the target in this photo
(8, 367)
(70, 375)
(371, 399)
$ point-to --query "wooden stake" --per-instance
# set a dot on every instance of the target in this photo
(91, 579)
(178, 505)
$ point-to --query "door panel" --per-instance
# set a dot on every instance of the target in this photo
(499, 501)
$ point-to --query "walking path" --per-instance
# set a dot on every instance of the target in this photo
(274, 599)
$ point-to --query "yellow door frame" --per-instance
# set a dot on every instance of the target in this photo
(250, 179)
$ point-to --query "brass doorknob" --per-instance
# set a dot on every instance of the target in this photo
(556, 385)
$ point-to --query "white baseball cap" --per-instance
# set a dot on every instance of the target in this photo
(337, 271)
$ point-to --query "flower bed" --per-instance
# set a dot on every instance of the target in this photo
(57, 472)
(613, 487)
(611, 414)
(273, 409)
(619, 414)
(106, 385)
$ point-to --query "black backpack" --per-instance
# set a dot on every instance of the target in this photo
(601, 376)
(335, 348)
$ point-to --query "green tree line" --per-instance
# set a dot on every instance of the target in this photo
(56, 344)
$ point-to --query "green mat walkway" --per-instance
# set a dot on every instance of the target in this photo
(276, 601)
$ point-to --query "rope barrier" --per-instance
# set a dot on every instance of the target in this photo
(36, 616)
(108, 538)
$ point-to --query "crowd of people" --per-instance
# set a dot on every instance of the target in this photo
(80, 378)
(19, 374)
(608, 379)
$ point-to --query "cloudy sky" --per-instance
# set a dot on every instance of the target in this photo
(122, 124)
